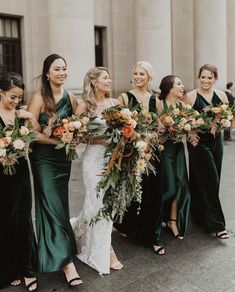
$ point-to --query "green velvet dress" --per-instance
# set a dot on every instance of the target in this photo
(18, 251)
(175, 183)
(51, 171)
(205, 161)
(145, 226)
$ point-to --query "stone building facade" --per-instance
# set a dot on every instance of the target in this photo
(176, 36)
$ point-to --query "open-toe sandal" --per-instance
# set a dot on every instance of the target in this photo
(29, 286)
(222, 235)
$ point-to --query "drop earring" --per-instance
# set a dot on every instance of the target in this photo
(48, 78)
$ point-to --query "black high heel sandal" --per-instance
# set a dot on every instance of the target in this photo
(70, 282)
(178, 236)
(31, 284)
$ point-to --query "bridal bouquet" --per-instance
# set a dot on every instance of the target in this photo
(129, 153)
(218, 117)
(69, 131)
(14, 143)
(181, 123)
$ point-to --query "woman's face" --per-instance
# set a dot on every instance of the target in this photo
(206, 80)
(178, 88)
(11, 98)
(140, 77)
(104, 82)
(58, 72)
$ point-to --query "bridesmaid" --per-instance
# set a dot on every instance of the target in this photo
(143, 226)
(205, 160)
(175, 187)
(51, 170)
(18, 253)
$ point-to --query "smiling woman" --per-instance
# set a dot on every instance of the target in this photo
(51, 170)
(205, 160)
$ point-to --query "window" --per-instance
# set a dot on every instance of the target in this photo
(100, 33)
(10, 45)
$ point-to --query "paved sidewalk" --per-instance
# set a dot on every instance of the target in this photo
(198, 263)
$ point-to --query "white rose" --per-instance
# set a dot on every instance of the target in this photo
(3, 152)
(225, 123)
(18, 144)
(85, 120)
(200, 121)
(141, 145)
(188, 106)
(176, 111)
(187, 127)
(77, 124)
(24, 131)
(224, 107)
(216, 110)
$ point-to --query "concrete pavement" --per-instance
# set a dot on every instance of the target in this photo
(200, 262)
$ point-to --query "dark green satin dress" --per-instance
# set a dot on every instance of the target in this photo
(175, 183)
(18, 251)
(51, 170)
(143, 226)
(205, 161)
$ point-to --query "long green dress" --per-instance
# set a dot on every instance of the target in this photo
(18, 251)
(205, 161)
(175, 183)
(145, 226)
(51, 171)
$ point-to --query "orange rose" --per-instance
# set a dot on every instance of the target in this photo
(58, 131)
(127, 131)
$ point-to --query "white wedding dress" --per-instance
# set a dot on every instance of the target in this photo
(93, 241)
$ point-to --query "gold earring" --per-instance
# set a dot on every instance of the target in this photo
(48, 78)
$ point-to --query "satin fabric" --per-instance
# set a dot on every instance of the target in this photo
(18, 251)
(51, 171)
(145, 225)
(205, 162)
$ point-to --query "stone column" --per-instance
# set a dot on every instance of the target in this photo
(183, 41)
(153, 43)
(231, 41)
(210, 33)
(71, 34)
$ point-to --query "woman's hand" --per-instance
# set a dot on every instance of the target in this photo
(24, 114)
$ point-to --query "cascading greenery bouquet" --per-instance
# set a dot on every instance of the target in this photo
(129, 153)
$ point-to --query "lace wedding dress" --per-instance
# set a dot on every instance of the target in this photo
(93, 241)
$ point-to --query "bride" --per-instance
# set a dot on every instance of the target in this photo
(94, 241)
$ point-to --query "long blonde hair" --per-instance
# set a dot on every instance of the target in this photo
(88, 94)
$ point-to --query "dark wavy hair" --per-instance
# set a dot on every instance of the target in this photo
(46, 90)
(166, 85)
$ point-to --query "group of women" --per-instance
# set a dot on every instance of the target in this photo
(168, 196)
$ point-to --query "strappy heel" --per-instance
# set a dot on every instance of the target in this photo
(29, 286)
(160, 250)
(178, 236)
(116, 265)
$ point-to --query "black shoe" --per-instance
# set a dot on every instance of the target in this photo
(158, 250)
(31, 284)
(178, 236)
(70, 282)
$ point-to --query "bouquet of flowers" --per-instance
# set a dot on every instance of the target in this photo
(181, 123)
(14, 143)
(218, 117)
(129, 154)
(69, 131)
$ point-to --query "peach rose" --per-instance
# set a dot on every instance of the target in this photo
(18, 144)
(127, 131)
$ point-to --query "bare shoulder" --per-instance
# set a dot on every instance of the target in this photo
(81, 107)
(190, 97)
(36, 98)
(221, 95)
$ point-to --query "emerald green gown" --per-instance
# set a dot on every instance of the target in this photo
(205, 161)
(145, 226)
(18, 250)
(175, 183)
(51, 171)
